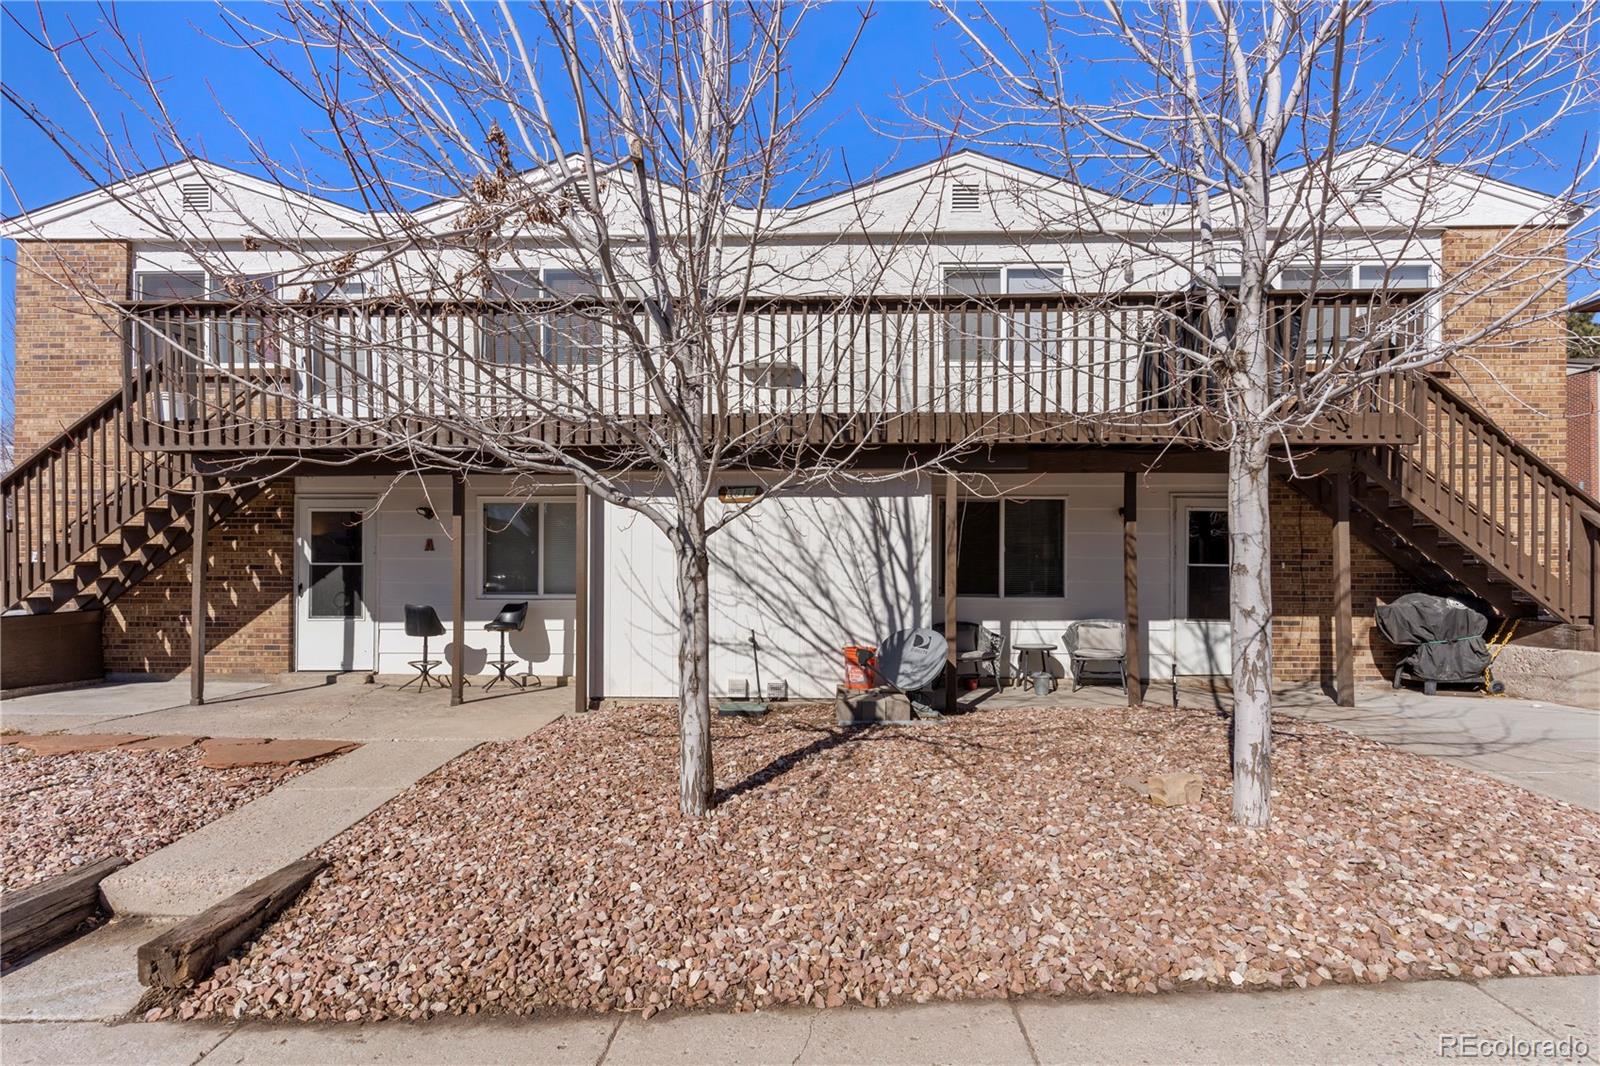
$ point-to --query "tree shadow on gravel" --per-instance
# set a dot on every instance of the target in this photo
(781, 765)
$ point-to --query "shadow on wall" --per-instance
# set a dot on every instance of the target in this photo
(806, 575)
(249, 587)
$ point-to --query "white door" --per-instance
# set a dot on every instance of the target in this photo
(1201, 640)
(333, 584)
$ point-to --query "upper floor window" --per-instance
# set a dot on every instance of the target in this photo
(516, 338)
(170, 285)
(984, 333)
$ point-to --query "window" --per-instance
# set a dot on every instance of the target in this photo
(1010, 548)
(530, 548)
(175, 285)
(338, 356)
(1398, 276)
(1206, 554)
(516, 338)
(981, 333)
(238, 338)
(1321, 278)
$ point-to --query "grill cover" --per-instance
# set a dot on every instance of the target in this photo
(1447, 634)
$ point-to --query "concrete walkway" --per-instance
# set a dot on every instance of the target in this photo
(1543, 747)
(1392, 1023)
(405, 736)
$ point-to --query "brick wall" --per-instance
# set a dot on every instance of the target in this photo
(67, 359)
(1583, 428)
(1518, 376)
(1302, 595)
(249, 587)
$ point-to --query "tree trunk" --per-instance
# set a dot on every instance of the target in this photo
(1250, 606)
(695, 780)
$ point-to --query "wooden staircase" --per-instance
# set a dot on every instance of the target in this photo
(87, 516)
(1469, 511)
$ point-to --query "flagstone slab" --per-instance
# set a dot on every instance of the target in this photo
(225, 754)
(73, 743)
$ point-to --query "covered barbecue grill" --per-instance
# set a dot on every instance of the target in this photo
(1445, 634)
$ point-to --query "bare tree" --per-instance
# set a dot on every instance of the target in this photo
(1251, 135)
(586, 294)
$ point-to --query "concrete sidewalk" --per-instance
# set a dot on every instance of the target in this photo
(1396, 1022)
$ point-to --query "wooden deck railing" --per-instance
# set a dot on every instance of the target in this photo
(227, 377)
(74, 492)
(1498, 499)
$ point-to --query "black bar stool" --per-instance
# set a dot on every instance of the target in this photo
(509, 620)
(423, 621)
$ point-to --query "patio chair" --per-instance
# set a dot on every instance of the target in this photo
(978, 647)
(1097, 641)
(423, 621)
(511, 619)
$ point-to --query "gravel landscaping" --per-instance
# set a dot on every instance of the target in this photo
(1001, 853)
(61, 811)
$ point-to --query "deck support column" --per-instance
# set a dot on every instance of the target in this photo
(951, 688)
(458, 569)
(1130, 583)
(197, 602)
(1344, 662)
(580, 621)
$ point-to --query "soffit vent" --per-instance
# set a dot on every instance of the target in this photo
(196, 196)
(965, 197)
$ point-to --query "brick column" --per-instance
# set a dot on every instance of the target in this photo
(1517, 376)
(69, 357)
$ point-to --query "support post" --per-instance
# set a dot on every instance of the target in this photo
(580, 623)
(1344, 662)
(458, 561)
(197, 602)
(951, 689)
(1130, 583)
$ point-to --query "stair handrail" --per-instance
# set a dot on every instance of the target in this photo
(51, 519)
(1571, 543)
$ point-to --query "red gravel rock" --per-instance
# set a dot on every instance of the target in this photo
(987, 856)
(62, 811)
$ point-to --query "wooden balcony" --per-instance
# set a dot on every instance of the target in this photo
(892, 370)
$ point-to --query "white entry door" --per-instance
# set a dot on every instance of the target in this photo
(1201, 638)
(333, 585)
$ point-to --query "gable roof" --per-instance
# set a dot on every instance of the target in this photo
(250, 206)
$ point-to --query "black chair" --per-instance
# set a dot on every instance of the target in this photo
(423, 621)
(509, 620)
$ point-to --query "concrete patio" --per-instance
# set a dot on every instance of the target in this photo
(347, 710)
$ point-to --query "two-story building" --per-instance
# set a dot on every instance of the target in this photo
(135, 358)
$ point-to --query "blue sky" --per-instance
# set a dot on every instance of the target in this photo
(203, 79)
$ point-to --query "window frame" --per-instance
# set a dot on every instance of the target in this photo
(1181, 507)
(1000, 571)
(540, 503)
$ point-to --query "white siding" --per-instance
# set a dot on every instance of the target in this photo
(407, 572)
